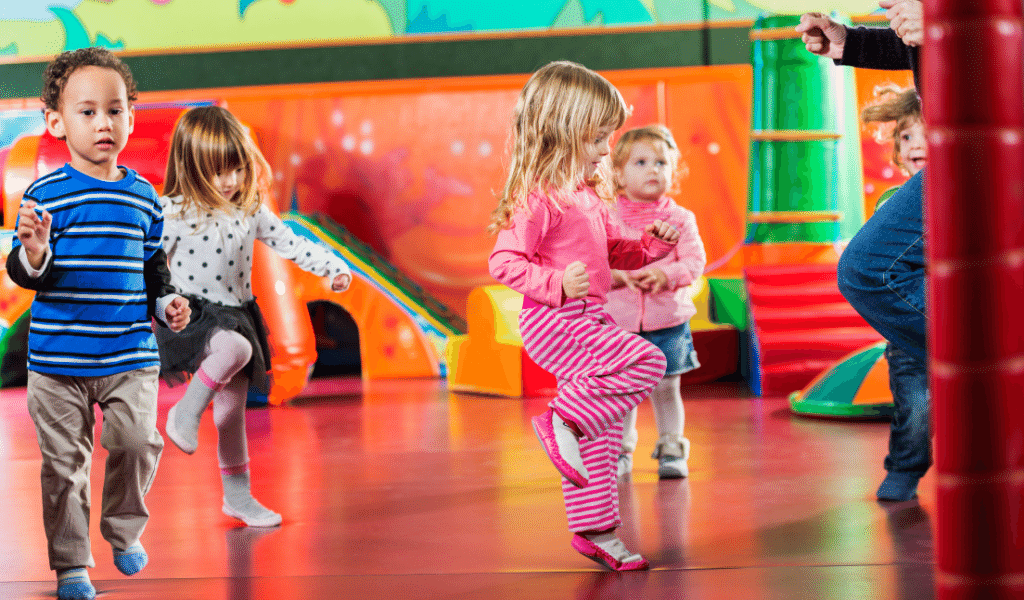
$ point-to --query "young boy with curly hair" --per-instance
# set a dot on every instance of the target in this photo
(88, 242)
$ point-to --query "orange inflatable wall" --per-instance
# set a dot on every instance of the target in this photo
(411, 166)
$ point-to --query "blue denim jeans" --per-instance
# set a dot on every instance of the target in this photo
(882, 274)
(910, 447)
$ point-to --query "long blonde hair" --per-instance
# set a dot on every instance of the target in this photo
(650, 134)
(895, 104)
(561, 107)
(209, 140)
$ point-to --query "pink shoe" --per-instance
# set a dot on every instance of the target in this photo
(612, 555)
(562, 447)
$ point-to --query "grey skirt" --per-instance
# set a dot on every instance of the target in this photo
(181, 353)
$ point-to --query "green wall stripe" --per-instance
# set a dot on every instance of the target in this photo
(461, 57)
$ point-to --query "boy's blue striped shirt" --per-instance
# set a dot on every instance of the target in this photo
(92, 319)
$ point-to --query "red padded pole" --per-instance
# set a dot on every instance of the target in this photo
(973, 67)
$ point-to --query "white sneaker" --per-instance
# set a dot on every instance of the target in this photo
(624, 466)
(672, 454)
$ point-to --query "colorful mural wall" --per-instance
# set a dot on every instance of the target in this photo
(411, 170)
(40, 29)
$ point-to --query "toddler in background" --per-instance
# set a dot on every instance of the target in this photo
(653, 301)
(909, 147)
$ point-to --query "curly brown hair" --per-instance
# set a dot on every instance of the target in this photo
(57, 72)
(894, 104)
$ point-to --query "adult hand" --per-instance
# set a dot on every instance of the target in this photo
(906, 18)
(575, 281)
(341, 282)
(177, 314)
(34, 232)
(652, 280)
(663, 231)
(822, 35)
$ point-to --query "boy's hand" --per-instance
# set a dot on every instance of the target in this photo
(663, 231)
(341, 282)
(652, 280)
(177, 314)
(33, 233)
(575, 281)
(822, 35)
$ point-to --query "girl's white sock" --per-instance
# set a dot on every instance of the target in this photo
(239, 503)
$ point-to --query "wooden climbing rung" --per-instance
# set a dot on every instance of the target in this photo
(795, 216)
(792, 135)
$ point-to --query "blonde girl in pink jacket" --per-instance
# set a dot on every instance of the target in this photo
(652, 301)
(557, 243)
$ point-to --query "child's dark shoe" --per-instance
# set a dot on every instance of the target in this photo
(898, 487)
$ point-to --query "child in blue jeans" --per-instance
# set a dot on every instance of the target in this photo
(910, 433)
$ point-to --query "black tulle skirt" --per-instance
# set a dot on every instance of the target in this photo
(181, 353)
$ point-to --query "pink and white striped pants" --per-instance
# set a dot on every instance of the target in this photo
(603, 372)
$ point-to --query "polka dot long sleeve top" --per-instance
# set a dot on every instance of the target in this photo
(212, 257)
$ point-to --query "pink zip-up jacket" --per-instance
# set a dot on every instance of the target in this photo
(530, 256)
(643, 311)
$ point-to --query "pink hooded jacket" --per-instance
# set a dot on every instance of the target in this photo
(531, 255)
(642, 311)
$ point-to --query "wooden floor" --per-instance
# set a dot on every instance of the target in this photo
(402, 490)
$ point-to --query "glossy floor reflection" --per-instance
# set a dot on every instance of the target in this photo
(402, 490)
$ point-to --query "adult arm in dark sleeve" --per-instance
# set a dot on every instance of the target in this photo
(879, 48)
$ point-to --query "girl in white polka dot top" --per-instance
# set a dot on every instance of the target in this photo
(212, 214)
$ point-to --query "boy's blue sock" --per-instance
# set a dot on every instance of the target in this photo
(74, 584)
(898, 487)
(131, 560)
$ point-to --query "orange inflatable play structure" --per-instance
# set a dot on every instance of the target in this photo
(403, 331)
(491, 358)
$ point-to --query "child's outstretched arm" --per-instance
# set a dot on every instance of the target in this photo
(512, 260)
(307, 255)
(30, 260)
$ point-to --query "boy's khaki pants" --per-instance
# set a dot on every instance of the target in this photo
(61, 407)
